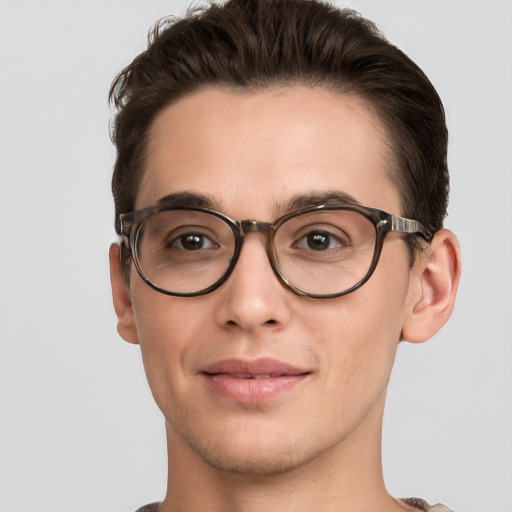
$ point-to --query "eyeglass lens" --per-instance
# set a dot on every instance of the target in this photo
(323, 252)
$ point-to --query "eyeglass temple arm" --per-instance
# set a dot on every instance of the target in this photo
(410, 226)
(123, 224)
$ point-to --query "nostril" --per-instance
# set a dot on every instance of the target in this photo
(270, 322)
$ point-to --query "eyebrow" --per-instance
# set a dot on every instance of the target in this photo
(193, 199)
(329, 198)
(298, 202)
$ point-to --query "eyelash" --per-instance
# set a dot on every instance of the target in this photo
(331, 238)
(179, 241)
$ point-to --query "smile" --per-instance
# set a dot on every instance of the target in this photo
(252, 382)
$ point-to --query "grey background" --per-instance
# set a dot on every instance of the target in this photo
(78, 428)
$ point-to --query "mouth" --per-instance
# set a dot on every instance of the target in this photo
(249, 376)
(252, 382)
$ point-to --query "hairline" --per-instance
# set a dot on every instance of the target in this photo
(389, 158)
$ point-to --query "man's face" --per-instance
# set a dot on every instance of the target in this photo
(208, 358)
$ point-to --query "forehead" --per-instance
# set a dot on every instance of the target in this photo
(251, 152)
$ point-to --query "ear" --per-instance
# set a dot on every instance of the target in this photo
(434, 282)
(126, 326)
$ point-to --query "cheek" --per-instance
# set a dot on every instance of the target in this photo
(361, 331)
(168, 329)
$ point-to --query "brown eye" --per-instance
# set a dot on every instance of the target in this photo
(319, 241)
(192, 242)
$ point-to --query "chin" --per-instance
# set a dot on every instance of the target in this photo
(255, 465)
(265, 458)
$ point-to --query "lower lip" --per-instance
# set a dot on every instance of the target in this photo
(253, 391)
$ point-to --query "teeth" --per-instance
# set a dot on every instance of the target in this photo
(249, 376)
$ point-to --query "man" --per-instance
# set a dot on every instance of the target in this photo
(280, 189)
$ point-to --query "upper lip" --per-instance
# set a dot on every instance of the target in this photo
(249, 368)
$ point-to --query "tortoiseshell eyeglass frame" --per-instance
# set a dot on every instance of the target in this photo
(128, 227)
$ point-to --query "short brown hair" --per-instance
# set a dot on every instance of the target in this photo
(267, 43)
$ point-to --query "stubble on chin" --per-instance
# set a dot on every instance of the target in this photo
(253, 460)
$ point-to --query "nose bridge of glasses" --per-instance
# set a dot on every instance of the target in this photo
(254, 226)
(263, 228)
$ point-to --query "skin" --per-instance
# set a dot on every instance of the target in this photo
(316, 446)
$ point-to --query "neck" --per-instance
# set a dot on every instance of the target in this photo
(345, 477)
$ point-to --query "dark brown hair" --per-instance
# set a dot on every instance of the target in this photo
(267, 43)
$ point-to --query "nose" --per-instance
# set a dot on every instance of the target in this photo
(253, 297)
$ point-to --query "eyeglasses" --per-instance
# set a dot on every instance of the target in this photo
(320, 252)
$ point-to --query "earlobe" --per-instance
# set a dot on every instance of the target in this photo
(434, 282)
(126, 326)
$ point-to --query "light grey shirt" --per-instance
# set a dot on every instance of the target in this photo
(416, 502)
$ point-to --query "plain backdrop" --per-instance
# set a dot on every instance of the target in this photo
(78, 427)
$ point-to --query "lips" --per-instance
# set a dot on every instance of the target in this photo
(253, 381)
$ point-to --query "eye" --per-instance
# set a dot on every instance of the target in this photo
(320, 240)
(192, 242)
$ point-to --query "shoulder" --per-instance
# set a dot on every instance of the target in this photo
(425, 507)
(416, 502)
(152, 507)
